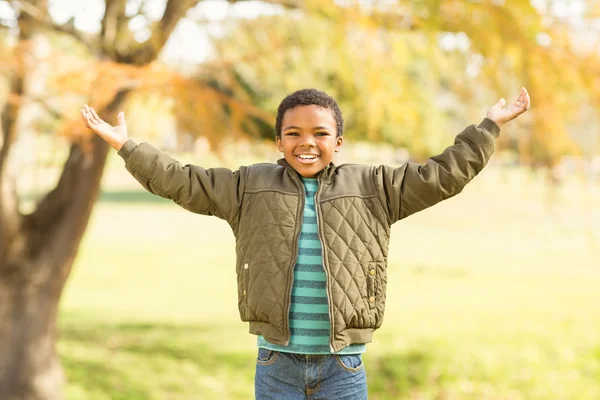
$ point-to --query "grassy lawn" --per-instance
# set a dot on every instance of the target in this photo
(491, 295)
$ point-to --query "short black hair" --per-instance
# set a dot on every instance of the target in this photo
(307, 97)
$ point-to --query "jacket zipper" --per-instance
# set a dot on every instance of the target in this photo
(327, 285)
(293, 263)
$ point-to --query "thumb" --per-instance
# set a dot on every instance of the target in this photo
(501, 103)
(121, 118)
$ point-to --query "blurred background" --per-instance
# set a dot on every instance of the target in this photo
(493, 294)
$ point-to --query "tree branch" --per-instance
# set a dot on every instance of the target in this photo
(75, 193)
(10, 217)
(46, 21)
(150, 49)
(284, 3)
(56, 114)
(112, 23)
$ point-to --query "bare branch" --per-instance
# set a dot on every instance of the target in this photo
(175, 10)
(285, 3)
(10, 217)
(149, 50)
(46, 106)
(45, 21)
(8, 118)
(112, 23)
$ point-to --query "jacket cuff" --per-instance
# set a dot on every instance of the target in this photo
(127, 149)
(490, 126)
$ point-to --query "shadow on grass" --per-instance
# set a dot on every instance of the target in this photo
(95, 377)
(393, 375)
(402, 374)
(98, 333)
(150, 360)
(176, 342)
(131, 196)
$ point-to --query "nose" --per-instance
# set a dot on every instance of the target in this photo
(308, 141)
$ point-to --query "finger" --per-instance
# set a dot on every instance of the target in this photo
(96, 117)
(86, 119)
(521, 98)
(521, 102)
(527, 100)
(83, 117)
(502, 102)
(91, 123)
(89, 115)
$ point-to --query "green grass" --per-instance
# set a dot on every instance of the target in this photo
(491, 295)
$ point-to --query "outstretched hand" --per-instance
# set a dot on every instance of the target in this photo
(501, 114)
(115, 136)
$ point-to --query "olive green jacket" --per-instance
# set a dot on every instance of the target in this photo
(355, 204)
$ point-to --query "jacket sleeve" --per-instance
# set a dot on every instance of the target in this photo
(412, 187)
(215, 191)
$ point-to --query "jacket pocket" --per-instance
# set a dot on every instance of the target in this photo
(245, 279)
(372, 285)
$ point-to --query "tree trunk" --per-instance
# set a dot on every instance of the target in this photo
(33, 272)
(37, 250)
(33, 276)
(29, 365)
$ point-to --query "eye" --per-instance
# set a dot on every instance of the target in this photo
(322, 133)
(291, 134)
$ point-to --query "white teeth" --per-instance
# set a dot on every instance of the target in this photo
(307, 157)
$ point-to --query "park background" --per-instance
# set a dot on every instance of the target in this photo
(109, 292)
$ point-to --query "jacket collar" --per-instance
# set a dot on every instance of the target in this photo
(325, 175)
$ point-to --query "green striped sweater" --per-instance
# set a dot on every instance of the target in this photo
(309, 317)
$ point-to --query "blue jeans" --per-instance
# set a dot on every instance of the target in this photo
(289, 376)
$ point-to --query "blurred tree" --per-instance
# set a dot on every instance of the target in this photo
(402, 70)
(392, 65)
(37, 249)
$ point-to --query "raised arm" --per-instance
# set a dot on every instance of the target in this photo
(413, 187)
(215, 191)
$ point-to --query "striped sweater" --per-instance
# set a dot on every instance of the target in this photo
(309, 317)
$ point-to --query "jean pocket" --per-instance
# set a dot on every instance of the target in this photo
(266, 356)
(350, 362)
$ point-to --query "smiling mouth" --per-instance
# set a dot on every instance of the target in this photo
(307, 158)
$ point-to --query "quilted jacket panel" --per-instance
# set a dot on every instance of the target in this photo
(356, 206)
(356, 233)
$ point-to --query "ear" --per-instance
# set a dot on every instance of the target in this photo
(338, 143)
(279, 143)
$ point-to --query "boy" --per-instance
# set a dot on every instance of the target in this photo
(311, 237)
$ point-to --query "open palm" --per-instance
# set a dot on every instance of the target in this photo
(501, 114)
(115, 136)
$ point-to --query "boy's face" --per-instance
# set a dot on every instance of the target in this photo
(308, 139)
